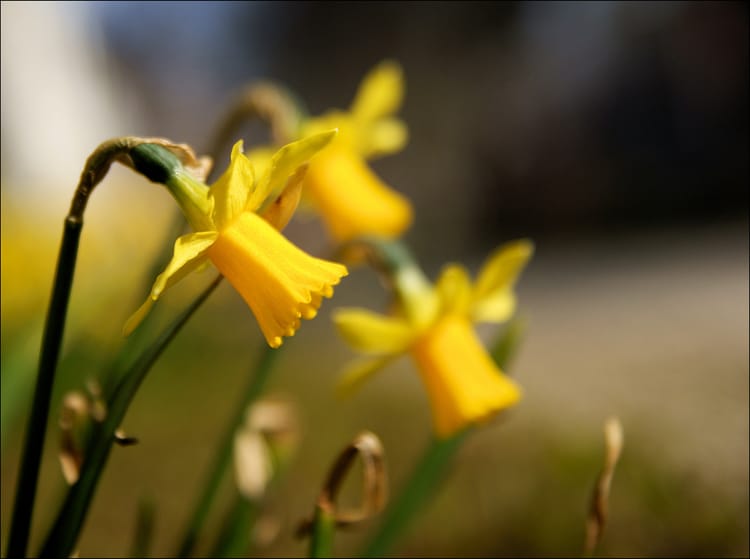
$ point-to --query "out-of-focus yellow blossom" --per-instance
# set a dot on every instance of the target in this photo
(237, 222)
(435, 325)
(347, 194)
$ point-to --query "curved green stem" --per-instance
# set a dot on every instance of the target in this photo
(64, 533)
(94, 170)
(50, 352)
(223, 457)
(269, 102)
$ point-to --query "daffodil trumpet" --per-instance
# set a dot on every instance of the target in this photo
(236, 226)
(434, 324)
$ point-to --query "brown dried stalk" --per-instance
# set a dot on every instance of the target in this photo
(598, 510)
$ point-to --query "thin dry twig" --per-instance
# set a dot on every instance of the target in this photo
(598, 510)
(267, 424)
(77, 407)
(374, 483)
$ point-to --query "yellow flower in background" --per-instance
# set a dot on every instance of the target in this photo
(435, 327)
(342, 188)
(237, 222)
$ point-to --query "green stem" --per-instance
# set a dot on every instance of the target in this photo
(144, 528)
(323, 530)
(234, 539)
(50, 352)
(418, 488)
(64, 533)
(223, 457)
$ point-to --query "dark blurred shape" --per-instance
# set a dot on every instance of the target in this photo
(663, 136)
(525, 118)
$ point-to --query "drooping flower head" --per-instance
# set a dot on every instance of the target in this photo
(434, 324)
(237, 223)
(340, 185)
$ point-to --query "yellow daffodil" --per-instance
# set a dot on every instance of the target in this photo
(350, 198)
(435, 325)
(237, 222)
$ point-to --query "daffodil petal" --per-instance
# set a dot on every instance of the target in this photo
(373, 333)
(501, 269)
(497, 308)
(493, 298)
(282, 209)
(454, 289)
(137, 317)
(359, 371)
(331, 119)
(385, 136)
(284, 162)
(380, 93)
(232, 191)
(189, 254)
(261, 158)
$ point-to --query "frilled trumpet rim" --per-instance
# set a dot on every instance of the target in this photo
(280, 282)
(352, 199)
(463, 383)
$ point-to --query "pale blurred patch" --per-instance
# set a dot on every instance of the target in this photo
(59, 99)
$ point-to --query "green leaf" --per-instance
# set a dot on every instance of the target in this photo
(223, 456)
(67, 526)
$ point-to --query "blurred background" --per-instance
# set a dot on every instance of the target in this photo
(615, 135)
